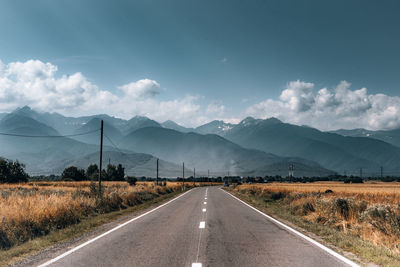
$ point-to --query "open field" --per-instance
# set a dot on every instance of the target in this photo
(31, 210)
(361, 218)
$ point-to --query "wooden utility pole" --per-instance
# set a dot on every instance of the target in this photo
(157, 174)
(194, 176)
(183, 175)
(101, 156)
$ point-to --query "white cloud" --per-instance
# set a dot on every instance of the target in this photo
(35, 83)
(215, 108)
(39, 85)
(141, 88)
(331, 109)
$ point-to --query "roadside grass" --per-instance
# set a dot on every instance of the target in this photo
(280, 206)
(86, 223)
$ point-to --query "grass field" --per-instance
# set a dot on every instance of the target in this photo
(31, 210)
(360, 218)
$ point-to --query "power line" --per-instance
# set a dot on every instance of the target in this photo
(112, 143)
(48, 136)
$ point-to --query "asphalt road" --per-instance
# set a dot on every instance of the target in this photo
(173, 235)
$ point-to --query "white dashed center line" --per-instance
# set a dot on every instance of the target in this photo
(201, 226)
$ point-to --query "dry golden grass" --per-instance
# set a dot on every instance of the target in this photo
(370, 211)
(34, 209)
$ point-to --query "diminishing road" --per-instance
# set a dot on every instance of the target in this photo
(204, 227)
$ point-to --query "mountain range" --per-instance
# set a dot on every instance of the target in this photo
(333, 151)
(251, 147)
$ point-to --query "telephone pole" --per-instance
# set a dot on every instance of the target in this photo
(183, 175)
(194, 176)
(157, 174)
(101, 156)
(291, 171)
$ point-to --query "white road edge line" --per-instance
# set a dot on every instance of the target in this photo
(204, 210)
(205, 203)
(202, 225)
(326, 249)
(196, 264)
(106, 233)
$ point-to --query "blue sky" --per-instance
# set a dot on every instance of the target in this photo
(232, 54)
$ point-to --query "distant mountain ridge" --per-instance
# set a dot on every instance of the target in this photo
(213, 152)
(343, 150)
(333, 151)
(174, 126)
(390, 136)
(135, 164)
(214, 127)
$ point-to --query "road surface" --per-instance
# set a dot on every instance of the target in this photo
(204, 227)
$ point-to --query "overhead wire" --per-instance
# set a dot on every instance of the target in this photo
(112, 143)
(48, 136)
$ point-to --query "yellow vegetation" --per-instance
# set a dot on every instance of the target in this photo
(34, 209)
(370, 210)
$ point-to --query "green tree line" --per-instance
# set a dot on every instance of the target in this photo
(12, 171)
(112, 173)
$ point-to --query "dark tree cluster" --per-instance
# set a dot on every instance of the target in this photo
(73, 173)
(112, 173)
(12, 171)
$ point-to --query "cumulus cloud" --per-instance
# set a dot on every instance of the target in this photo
(215, 108)
(39, 85)
(36, 84)
(327, 109)
(141, 88)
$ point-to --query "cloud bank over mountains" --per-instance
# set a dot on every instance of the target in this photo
(328, 109)
(38, 85)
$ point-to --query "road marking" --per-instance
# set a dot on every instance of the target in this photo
(202, 225)
(205, 203)
(326, 249)
(205, 198)
(108, 232)
(196, 264)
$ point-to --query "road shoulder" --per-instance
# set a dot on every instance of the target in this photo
(308, 229)
(38, 250)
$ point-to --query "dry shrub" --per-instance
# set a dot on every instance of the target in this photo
(368, 210)
(34, 209)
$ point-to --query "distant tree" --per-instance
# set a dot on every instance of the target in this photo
(120, 173)
(4, 170)
(73, 173)
(131, 180)
(92, 172)
(259, 180)
(12, 171)
(111, 172)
